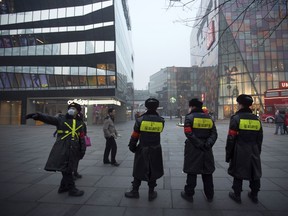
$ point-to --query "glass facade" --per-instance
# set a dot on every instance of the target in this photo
(174, 87)
(66, 49)
(251, 48)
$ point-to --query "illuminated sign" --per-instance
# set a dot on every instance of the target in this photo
(283, 84)
(94, 102)
(210, 34)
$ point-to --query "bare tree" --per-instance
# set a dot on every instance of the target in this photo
(274, 12)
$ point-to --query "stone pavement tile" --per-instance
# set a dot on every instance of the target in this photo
(33, 193)
(173, 164)
(144, 212)
(8, 208)
(87, 180)
(163, 200)
(9, 175)
(122, 171)
(106, 197)
(52, 179)
(189, 212)
(54, 197)
(275, 164)
(100, 210)
(28, 178)
(240, 213)
(223, 183)
(273, 200)
(222, 201)
(9, 189)
(178, 182)
(282, 182)
(177, 172)
(51, 209)
(105, 169)
(115, 181)
(123, 182)
(274, 173)
(277, 184)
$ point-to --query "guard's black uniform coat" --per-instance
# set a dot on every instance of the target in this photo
(243, 146)
(148, 162)
(198, 155)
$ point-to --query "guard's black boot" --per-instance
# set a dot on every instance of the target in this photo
(253, 197)
(132, 194)
(75, 192)
(187, 197)
(235, 197)
(152, 194)
(63, 189)
(77, 176)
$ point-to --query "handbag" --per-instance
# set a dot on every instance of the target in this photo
(87, 140)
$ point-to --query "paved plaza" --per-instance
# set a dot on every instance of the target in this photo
(27, 189)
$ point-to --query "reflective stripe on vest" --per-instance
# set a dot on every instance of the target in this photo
(150, 126)
(73, 129)
(202, 123)
(248, 124)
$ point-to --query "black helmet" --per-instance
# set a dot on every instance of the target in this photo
(245, 100)
(75, 105)
(151, 104)
(195, 103)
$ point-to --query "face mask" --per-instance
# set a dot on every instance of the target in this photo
(71, 112)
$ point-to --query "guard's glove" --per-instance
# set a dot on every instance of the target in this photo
(228, 160)
(132, 148)
(34, 116)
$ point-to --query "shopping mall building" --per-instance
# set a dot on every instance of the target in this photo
(243, 51)
(55, 52)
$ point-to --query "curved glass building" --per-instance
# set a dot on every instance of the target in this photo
(242, 48)
(53, 52)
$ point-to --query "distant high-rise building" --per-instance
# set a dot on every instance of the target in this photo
(53, 52)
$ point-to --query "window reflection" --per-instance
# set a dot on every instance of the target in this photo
(92, 81)
(101, 80)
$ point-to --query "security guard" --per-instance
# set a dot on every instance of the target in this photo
(148, 162)
(201, 135)
(68, 147)
(243, 148)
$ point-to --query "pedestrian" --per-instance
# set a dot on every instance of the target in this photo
(110, 134)
(148, 162)
(279, 121)
(65, 151)
(201, 135)
(286, 123)
(76, 174)
(243, 149)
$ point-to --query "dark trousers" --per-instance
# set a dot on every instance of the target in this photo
(110, 146)
(67, 180)
(253, 184)
(137, 182)
(191, 183)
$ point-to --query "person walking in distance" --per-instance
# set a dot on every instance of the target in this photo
(243, 148)
(148, 162)
(201, 135)
(110, 134)
(279, 121)
(65, 151)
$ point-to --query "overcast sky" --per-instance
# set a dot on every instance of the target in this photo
(158, 40)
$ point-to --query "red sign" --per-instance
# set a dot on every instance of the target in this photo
(283, 84)
(210, 34)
